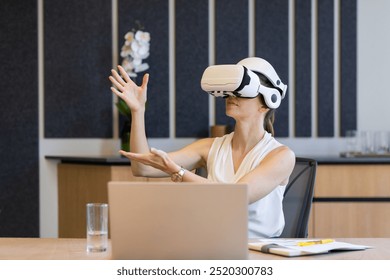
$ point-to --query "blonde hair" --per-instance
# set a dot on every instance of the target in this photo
(269, 121)
(269, 118)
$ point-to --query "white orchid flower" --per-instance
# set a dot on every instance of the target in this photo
(129, 68)
(135, 46)
(129, 36)
(125, 51)
(141, 68)
(135, 49)
(142, 36)
(143, 50)
(137, 62)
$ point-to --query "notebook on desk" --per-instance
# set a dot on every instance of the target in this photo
(162, 220)
(302, 247)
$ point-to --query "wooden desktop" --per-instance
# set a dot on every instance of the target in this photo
(74, 249)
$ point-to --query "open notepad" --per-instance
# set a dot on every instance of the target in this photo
(291, 247)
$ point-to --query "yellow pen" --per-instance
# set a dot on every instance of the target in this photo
(314, 242)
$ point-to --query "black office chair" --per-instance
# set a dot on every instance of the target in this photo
(298, 198)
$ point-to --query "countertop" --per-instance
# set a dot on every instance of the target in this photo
(118, 160)
(99, 160)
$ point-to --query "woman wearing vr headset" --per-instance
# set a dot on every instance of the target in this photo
(249, 155)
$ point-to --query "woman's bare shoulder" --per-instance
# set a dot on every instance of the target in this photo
(282, 154)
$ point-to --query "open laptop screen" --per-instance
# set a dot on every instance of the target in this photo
(162, 220)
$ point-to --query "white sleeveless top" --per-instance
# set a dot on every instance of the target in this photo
(265, 216)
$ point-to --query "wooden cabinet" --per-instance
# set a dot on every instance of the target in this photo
(351, 200)
(79, 184)
(351, 196)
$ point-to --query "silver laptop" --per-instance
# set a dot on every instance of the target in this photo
(162, 220)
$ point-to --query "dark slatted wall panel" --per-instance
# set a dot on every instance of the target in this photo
(78, 59)
(192, 113)
(325, 69)
(19, 176)
(272, 44)
(231, 44)
(348, 49)
(153, 16)
(303, 68)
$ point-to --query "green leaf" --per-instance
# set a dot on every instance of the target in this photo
(123, 108)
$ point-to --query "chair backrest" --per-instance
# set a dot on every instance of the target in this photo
(298, 198)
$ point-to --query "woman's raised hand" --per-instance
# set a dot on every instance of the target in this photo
(134, 96)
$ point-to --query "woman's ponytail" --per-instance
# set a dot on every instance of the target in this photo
(269, 121)
(270, 115)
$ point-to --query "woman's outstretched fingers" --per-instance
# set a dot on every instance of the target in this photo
(145, 81)
(117, 77)
(124, 74)
(116, 92)
(116, 83)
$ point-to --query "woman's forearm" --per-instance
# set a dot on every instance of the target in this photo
(138, 141)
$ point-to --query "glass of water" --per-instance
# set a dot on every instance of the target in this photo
(368, 142)
(97, 227)
(382, 142)
(352, 142)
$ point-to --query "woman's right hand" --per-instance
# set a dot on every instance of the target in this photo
(134, 96)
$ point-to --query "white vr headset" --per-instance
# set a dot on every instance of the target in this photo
(241, 80)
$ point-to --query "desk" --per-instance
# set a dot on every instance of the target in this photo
(74, 249)
(48, 249)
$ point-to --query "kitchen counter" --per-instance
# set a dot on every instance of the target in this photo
(348, 190)
(100, 160)
(118, 160)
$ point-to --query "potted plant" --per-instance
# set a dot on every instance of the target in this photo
(134, 51)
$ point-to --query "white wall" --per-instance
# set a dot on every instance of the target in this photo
(373, 69)
(373, 65)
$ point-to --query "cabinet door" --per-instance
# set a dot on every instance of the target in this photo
(353, 180)
(351, 219)
(77, 186)
(351, 200)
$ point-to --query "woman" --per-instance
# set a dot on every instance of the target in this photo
(249, 155)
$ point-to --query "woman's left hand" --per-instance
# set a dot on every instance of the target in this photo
(156, 158)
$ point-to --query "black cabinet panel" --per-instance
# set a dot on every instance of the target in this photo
(153, 16)
(271, 30)
(325, 70)
(78, 59)
(348, 66)
(19, 176)
(303, 81)
(231, 42)
(192, 106)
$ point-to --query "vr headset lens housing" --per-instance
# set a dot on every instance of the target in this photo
(238, 80)
(233, 80)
